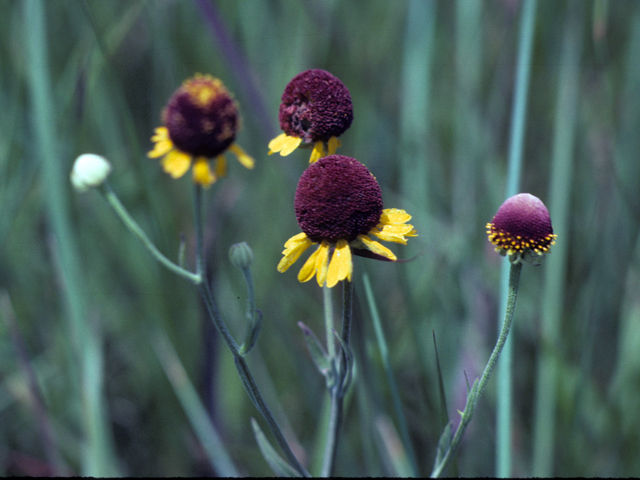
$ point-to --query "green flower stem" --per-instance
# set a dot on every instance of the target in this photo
(478, 386)
(338, 389)
(241, 365)
(328, 321)
(134, 228)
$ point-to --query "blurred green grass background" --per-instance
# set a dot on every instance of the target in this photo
(432, 85)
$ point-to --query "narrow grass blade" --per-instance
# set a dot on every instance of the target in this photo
(200, 422)
(516, 144)
(554, 287)
(384, 353)
(98, 457)
(279, 466)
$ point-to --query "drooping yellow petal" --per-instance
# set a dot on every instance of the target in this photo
(341, 265)
(295, 239)
(221, 166)
(333, 145)
(295, 246)
(393, 233)
(162, 143)
(284, 144)
(176, 163)
(290, 144)
(202, 173)
(276, 144)
(317, 153)
(245, 160)
(376, 247)
(308, 270)
(394, 216)
(322, 262)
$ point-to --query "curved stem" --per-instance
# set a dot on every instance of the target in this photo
(134, 228)
(478, 386)
(241, 365)
(338, 390)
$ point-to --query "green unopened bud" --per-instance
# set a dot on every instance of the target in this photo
(241, 255)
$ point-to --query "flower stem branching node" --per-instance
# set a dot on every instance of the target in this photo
(316, 109)
(522, 229)
(338, 205)
(89, 171)
(200, 121)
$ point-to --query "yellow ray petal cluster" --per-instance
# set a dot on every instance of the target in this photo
(284, 144)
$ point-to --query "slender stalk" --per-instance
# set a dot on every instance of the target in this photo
(98, 458)
(134, 228)
(393, 387)
(479, 386)
(518, 118)
(544, 430)
(338, 390)
(328, 321)
(241, 365)
(201, 423)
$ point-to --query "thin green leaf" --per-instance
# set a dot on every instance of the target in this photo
(279, 466)
(317, 351)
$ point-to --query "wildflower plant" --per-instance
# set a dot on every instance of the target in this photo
(316, 109)
(200, 121)
(522, 230)
(338, 206)
(339, 209)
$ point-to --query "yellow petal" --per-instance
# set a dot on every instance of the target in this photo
(389, 237)
(295, 239)
(317, 153)
(284, 144)
(394, 233)
(376, 247)
(162, 143)
(202, 174)
(221, 166)
(294, 249)
(322, 262)
(290, 144)
(275, 145)
(245, 160)
(308, 270)
(394, 215)
(341, 265)
(334, 143)
(159, 134)
(176, 163)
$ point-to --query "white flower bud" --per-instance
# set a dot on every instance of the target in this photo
(89, 170)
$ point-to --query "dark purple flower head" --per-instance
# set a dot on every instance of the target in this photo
(201, 117)
(522, 229)
(337, 198)
(315, 107)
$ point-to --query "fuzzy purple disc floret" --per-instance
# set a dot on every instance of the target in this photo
(315, 107)
(199, 128)
(525, 216)
(337, 198)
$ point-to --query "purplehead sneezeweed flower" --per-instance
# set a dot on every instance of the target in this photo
(522, 229)
(338, 204)
(316, 109)
(200, 123)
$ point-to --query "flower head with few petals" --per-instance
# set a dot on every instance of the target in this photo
(200, 123)
(316, 109)
(522, 229)
(338, 205)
